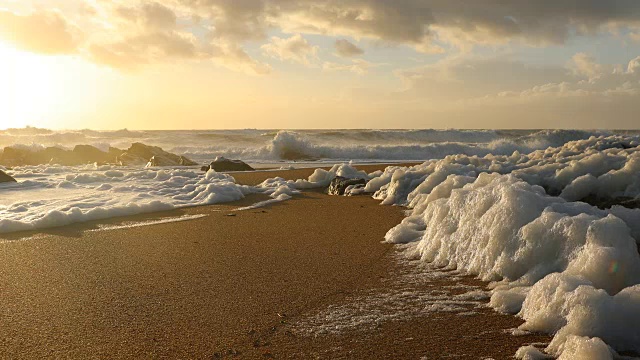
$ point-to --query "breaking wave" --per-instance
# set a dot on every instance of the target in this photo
(274, 145)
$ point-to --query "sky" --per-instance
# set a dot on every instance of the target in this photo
(233, 64)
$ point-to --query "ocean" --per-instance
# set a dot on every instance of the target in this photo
(266, 147)
(549, 218)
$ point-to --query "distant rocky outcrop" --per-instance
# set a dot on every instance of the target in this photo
(5, 178)
(340, 184)
(222, 164)
(137, 154)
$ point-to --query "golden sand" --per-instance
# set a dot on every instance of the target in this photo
(221, 286)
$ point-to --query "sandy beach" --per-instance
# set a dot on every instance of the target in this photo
(222, 286)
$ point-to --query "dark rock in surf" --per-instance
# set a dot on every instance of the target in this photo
(221, 164)
(5, 178)
(14, 156)
(340, 184)
(160, 160)
(85, 154)
(140, 153)
(137, 154)
(607, 203)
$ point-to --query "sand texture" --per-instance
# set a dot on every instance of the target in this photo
(223, 286)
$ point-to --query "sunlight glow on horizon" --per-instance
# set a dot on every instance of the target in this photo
(48, 91)
(34, 88)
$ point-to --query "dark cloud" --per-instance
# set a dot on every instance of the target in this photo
(420, 22)
(148, 30)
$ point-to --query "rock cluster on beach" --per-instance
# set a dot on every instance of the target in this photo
(340, 184)
(4, 177)
(137, 154)
(222, 164)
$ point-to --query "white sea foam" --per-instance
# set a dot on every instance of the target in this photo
(51, 196)
(567, 268)
(135, 224)
(503, 207)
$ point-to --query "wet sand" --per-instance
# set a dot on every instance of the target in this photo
(222, 286)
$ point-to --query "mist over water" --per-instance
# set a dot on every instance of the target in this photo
(306, 145)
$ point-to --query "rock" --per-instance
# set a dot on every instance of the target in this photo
(186, 162)
(340, 184)
(221, 164)
(81, 154)
(137, 154)
(18, 156)
(126, 159)
(85, 154)
(607, 203)
(160, 160)
(12, 157)
(153, 155)
(4, 177)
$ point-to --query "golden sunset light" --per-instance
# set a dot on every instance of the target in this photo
(328, 179)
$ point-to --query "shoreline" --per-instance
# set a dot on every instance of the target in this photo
(222, 286)
(250, 178)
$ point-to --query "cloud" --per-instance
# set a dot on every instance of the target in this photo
(425, 24)
(584, 64)
(140, 49)
(235, 58)
(45, 32)
(357, 66)
(235, 20)
(345, 48)
(461, 77)
(186, 29)
(295, 49)
(508, 93)
(152, 15)
(430, 26)
(146, 33)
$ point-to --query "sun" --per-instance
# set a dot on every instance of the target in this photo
(26, 91)
(34, 88)
(7, 81)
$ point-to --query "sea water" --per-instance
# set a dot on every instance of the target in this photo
(502, 205)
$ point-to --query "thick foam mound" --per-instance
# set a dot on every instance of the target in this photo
(566, 267)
